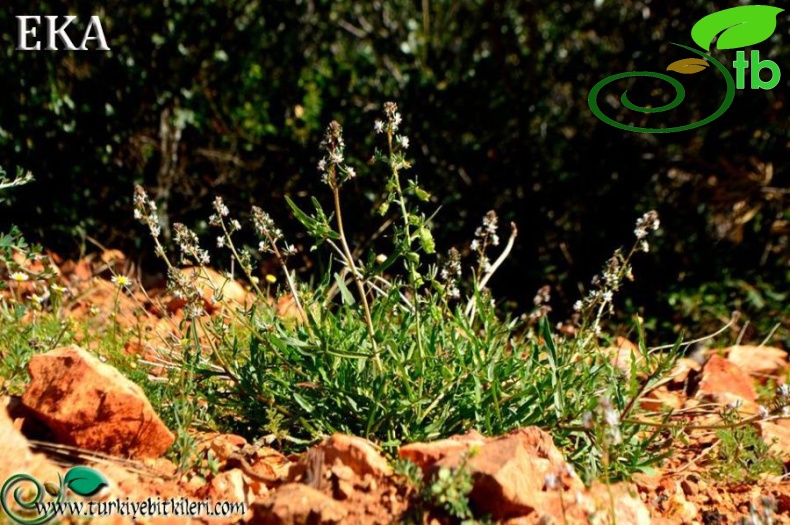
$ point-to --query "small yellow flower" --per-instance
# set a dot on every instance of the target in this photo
(271, 279)
(121, 281)
(20, 277)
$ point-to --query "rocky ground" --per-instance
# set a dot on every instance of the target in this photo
(78, 409)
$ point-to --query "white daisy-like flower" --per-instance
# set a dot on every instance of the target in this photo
(19, 277)
(121, 281)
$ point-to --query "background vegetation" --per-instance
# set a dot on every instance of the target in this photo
(222, 97)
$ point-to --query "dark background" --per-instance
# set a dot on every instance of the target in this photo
(199, 98)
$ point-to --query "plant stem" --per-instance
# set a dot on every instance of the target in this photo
(354, 273)
(407, 232)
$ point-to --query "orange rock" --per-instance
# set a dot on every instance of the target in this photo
(17, 456)
(230, 486)
(89, 404)
(777, 437)
(297, 504)
(683, 368)
(725, 382)
(428, 453)
(357, 453)
(510, 474)
(757, 360)
(661, 398)
(214, 287)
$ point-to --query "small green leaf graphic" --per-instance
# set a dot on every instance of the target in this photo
(743, 26)
(84, 481)
(52, 489)
(688, 66)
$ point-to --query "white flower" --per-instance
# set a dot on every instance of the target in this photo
(607, 296)
(19, 277)
(235, 225)
(402, 141)
(220, 242)
(335, 157)
(378, 126)
(350, 172)
(577, 306)
(322, 165)
(120, 281)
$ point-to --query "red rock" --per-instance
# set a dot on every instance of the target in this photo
(214, 287)
(354, 452)
(425, 454)
(628, 508)
(91, 405)
(757, 360)
(725, 382)
(510, 472)
(297, 504)
(683, 368)
(17, 456)
(777, 437)
(230, 486)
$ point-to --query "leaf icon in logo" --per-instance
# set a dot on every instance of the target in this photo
(84, 481)
(688, 66)
(52, 489)
(742, 26)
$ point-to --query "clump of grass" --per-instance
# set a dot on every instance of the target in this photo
(402, 347)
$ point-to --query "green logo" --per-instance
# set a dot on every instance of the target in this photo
(736, 27)
(26, 504)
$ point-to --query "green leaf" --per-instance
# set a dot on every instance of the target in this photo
(742, 26)
(84, 481)
(344, 291)
(303, 402)
(307, 221)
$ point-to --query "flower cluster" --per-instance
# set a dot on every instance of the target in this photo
(617, 268)
(647, 223)
(189, 245)
(541, 302)
(332, 165)
(145, 211)
(394, 120)
(217, 219)
(606, 418)
(451, 273)
(183, 287)
(485, 236)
